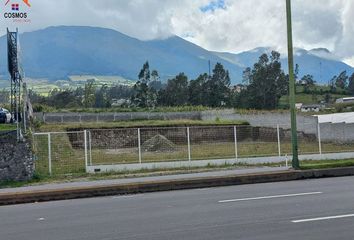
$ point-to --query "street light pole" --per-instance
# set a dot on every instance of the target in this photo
(295, 162)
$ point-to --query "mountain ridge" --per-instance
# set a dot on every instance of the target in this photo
(60, 51)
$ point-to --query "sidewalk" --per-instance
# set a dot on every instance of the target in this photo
(99, 183)
(74, 190)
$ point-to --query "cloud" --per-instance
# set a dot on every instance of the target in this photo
(220, 25)
(143, 19)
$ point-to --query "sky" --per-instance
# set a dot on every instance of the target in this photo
(217, 25)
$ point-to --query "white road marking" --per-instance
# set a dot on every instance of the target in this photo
(40, 219)
(127, 196)
(322, 218)
(269, 197)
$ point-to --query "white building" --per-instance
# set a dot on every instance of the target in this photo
(336, 118)
(311, 108)
(345, 100)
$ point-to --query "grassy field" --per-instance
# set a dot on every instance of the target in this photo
(7, 127)
(308, 98)
(44, 86)
(305, 98)
(306, 165)
(68, 156)
(102, 80)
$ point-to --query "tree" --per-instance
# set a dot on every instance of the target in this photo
(197, 93)
(246, 76)
(176, 92)
(34, 97)
(342, 80)
(328, 98)
(351, 84)
(155, 75)
(144, 95)
(308, 82)
(155, 83)
(4, 96)
(144, 75)
(268, 83)
(217, 86)
(332, 84)
(62, 99)
(308, 79)
(121, 92)
(296, 72)
(89, 93)
(102, 99)
(140, 98)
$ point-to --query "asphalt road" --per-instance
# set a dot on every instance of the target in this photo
(310, 209)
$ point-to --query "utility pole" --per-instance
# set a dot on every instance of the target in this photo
(295, 161)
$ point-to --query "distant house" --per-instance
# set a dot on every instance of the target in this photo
(238, 88)
(311, 107)
(302, 82)
(298, 106)
(345, 100)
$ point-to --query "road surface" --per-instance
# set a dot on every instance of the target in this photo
(309, 209)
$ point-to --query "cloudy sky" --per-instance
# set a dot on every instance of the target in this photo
(220, 25)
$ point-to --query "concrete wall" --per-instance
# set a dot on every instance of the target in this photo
(16, 162)
(337, 132)
(110, 117)
(306, 124)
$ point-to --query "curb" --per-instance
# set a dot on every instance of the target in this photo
(167, 185)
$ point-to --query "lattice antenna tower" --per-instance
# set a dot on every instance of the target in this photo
(15, 71)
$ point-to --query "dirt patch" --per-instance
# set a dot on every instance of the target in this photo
(158, 143)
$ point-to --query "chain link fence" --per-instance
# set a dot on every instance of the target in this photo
(59, 153)
(73, 152)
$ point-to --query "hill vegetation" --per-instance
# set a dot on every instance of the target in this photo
(265, 86)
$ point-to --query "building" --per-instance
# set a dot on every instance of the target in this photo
(238, 88)
(336, 118)
(298, 106)
(311, 107)
(345, 100)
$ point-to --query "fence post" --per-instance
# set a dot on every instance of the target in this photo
(278, 135)
(189, 145)
(139, 145)
(319, 137)
(85, 143)
(24, 119)
(90, 147)
(235, 141)
(49, 155)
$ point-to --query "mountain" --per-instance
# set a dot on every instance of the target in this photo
(57, 52)
(320, 62)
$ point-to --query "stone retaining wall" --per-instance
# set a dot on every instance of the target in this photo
(16, 162)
